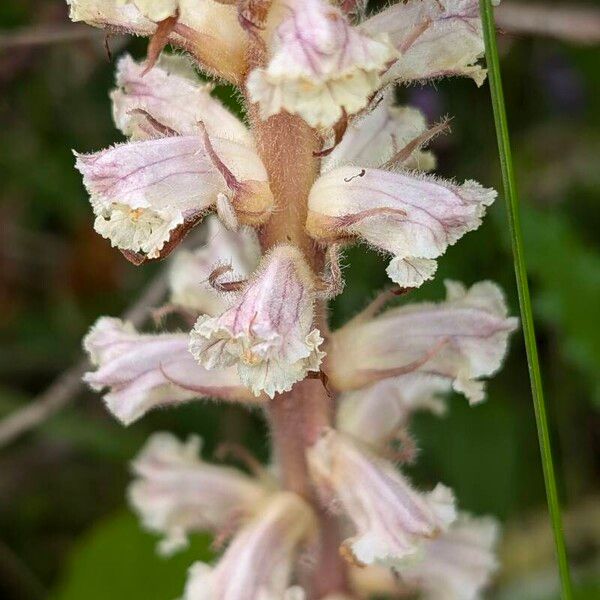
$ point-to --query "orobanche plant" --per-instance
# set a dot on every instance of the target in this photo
(325, 159)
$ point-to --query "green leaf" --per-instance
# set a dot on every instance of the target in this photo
(118, 560)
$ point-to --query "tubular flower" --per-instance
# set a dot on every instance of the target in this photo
(144, 371)
(146, 194)
(319, 65)
(461, 339)
(175, 492)
(435, 38)
(258, 563)
(378, 413)
(413, 217)
(238, 252)
(458, 564)
(391, 519)
(269, 331)
(169, 97)
(209, 30)
(374, 138)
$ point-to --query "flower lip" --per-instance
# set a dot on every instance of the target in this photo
(319, 65)
(268, 332)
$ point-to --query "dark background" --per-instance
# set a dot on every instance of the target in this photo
(65, 529)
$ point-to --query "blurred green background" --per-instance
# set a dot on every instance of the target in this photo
(65, 530)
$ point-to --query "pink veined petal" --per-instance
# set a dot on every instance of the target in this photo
(461, 339)
(319, 65)
(391, 519)
(258, 563)
(172, 95)
(175, 492)
(413, 217)
(268, 332)
(375, 414)
(372, 139)
(459, 564)
(436, 38)
(209, 30)
(145, 371)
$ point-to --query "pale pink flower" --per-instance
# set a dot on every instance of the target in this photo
(458, 564)
(319, 65)
(269, 332)
(376, 136)
(176, 493)
(143, 192)
(169, 96)
(209, 30)
(411, 216)
(390, 518)
(435, 38)
(144, 371)
(378, 413)
(191, 269)
(461, 339)
(258, 563)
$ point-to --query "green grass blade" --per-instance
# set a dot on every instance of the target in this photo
(512, 199)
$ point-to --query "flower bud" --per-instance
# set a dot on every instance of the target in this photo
(144, 371)
(170, 95)
(415, 218)
(175, 492)
(319, 65)
(268, 333)
(391, 519)
(191, 270)
(435, 38)
(258, 563)
(461, 339)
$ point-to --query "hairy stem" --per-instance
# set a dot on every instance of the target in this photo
(287, 146)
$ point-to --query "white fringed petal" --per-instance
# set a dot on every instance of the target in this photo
(319, 65)
(258, 563)
(172, 95)
(176, 493)
(461, 339)
(377, 413)
(142, 191)
(436, 38)
(268, 333)
(391, 519)
(415, 218)
(190, 270)
(144, 371)
(372, 139)
(457, 565)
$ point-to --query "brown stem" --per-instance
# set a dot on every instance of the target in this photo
(287, 146)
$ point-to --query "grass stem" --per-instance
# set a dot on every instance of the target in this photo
(512, 200)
